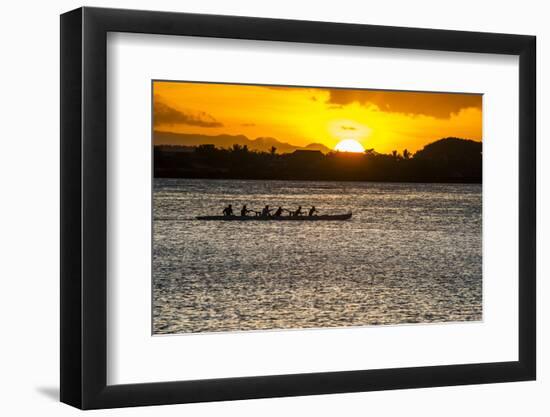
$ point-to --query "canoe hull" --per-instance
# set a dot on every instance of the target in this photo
(346, 216)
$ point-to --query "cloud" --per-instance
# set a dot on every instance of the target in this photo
(438, 105)
(164, 114)
(248, 124)
(348, 128)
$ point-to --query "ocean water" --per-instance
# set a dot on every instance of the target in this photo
(411, 253)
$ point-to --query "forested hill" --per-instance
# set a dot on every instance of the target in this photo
(453, 148)
(445, 160)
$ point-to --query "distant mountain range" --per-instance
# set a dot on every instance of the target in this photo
(226, 141)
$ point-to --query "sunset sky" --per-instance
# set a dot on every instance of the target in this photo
(383, 120)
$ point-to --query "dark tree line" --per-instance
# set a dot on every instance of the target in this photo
(446, 160)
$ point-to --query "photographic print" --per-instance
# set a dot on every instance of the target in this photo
(295, 207)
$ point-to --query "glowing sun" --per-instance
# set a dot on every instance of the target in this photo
(349, 145)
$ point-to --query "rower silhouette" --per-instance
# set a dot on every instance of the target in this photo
(266, 211)
(228, 211)
(244, 210)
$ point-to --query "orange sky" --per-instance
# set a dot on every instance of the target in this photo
(383, 120)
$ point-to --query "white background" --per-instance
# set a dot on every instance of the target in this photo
(30, 204)
(133, 60)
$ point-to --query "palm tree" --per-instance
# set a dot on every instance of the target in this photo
(406, 154)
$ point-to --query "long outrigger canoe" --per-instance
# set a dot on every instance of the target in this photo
(325, 217)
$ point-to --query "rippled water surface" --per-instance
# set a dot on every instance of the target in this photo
(410, 254)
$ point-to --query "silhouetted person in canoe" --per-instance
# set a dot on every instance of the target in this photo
(312, 210)
(228, 211)
(244, 210)
(299, 211)
(266, 211)
(279, 212)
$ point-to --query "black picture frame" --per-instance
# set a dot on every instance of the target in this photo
(84, 207)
